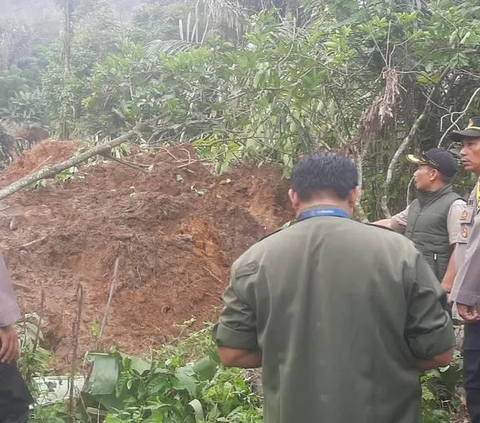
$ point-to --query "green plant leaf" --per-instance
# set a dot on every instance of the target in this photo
(198, 410)
(205, 368)
(186, 379)
(104, 375)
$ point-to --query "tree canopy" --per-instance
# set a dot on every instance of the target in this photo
(249, 80)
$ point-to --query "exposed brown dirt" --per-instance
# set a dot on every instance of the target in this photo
(176, 229)
(47, 153)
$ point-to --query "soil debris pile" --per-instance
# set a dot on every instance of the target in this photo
(174, 226)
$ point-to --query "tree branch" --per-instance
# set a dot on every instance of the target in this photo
(460, 116)
(359, 159)
(73, 161)
(406, 142)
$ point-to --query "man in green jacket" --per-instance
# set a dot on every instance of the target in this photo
(431, 220)
(341, 316)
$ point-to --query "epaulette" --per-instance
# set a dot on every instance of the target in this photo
(379, 226)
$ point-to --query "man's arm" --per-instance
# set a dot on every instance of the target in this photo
(236, 332)
(9, 310)
(449, 277)
(396, 223)
(384, 222)
(429, 331)
(454, 229)
(466, 287)
(9, 315)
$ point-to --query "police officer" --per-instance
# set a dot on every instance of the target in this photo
(466, 288)
(341, 316)
(15, 397)
(431, 220)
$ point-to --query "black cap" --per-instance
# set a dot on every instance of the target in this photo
(471, 131)
(437, 158)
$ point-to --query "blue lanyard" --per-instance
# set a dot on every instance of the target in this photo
(322, 213)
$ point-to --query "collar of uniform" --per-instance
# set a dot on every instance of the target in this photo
(425, 197)
(320, 207)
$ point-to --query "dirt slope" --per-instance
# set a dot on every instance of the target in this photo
(175, 228)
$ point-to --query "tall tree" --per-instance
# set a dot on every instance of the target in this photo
(68, 7)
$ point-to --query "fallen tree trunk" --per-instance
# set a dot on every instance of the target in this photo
(48, 172)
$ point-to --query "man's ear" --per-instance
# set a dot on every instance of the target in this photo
(353, 196)
(434, 175)
(294, 199)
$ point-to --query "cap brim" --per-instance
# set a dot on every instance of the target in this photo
(458, 136)
(415, 159)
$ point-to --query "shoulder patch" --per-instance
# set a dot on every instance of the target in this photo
(246, 269)
(379, 226)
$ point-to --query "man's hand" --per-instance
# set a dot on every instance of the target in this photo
(233, 357)
(468, 313)
(440, 360)
(449, 300)
(9, 350)
(447, 285)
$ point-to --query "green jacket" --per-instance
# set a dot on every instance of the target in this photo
(339, 311)
(427, 227)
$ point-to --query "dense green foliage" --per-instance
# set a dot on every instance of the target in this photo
(184, 382)
(167, 388)
(245, 81)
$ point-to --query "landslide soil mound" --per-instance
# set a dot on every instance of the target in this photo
(174, 227)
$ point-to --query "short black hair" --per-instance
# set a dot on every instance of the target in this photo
(324, 173)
